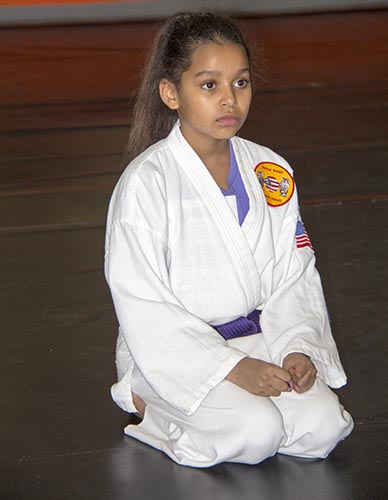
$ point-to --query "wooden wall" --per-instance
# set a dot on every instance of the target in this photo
(65, 102)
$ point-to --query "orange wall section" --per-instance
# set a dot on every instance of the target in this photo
(15, 3)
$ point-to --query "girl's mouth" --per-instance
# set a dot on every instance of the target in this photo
(228, 120)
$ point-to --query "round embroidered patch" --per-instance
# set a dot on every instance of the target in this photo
(277, 183)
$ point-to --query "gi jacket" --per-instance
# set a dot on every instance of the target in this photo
(177, 261)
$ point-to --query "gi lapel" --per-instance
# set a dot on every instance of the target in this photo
(235, 237)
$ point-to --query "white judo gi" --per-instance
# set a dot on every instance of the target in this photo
(177, 261)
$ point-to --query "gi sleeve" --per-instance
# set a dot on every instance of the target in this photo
(295, 318)
(180, 355)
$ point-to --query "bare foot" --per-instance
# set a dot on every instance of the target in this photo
(140, 405)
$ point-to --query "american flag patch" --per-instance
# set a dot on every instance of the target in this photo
(301, 236)
(271, 183)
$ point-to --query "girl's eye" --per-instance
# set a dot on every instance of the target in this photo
(208, 86)
(241, 83)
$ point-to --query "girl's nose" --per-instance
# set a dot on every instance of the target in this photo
(228, 97)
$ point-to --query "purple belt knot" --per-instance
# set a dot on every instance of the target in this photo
(240, 327)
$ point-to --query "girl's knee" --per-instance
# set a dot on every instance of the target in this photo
(320, 425)
(333, 425)
(258, 435)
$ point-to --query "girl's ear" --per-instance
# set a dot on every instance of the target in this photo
(168, 94)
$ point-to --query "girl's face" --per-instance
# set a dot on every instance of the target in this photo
(215, 94)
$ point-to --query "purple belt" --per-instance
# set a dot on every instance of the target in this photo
(240, 327)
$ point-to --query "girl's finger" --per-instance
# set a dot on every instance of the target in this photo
(306, 382)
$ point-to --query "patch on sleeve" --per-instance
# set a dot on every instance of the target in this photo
(301, 237)
(277, 183)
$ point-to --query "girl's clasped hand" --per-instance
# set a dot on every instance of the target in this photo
(267, 379)
(302, 371)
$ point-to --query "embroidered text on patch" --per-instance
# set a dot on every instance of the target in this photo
(301, 236)
(277, 183)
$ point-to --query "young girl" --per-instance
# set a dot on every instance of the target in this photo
(224, 346)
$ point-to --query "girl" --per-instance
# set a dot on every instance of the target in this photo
(224, 345)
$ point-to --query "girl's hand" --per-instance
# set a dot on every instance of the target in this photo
(260, 378)
(302, 370)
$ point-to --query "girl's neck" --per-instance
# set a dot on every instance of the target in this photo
(210, 152)
(217, 159)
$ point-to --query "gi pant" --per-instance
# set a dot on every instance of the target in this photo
(232, 425)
